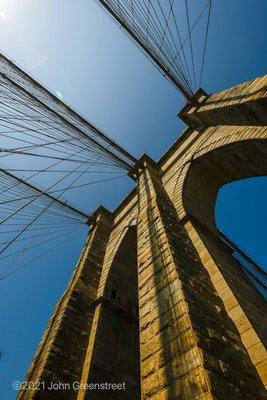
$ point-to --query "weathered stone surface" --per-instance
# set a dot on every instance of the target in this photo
(157, 300)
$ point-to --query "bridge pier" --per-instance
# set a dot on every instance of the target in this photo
(167, 308)
(60, 355)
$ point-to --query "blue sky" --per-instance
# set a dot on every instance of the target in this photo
(73, 47)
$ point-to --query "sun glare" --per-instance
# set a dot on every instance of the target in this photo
(3, 15)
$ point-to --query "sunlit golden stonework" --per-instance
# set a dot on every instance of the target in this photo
(157, 301)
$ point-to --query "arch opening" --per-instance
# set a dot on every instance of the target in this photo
(206, 175)
(116, 355)
(207, 178)
(241, 217)
(209, 172)
(122, 285)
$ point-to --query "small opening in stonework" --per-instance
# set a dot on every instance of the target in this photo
(113, 294)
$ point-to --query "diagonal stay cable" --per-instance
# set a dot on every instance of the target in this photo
(54, 231)
(25, 180)
(205, 43)
(181, 49)
(171, 36)
(10, 72)
(158, 41)
(49, 205)
(37, 257)
(29, 202)
(39, 244)
(153, 32)
(194, 25)
(142, 44)
(191, 45)
(60, 190)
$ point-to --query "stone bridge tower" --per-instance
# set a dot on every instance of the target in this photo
(157, 300)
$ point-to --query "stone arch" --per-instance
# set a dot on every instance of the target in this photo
(209, 172)
(121, 283)
(204, 143)
(205, 175)
(113, 346)
(117, 240)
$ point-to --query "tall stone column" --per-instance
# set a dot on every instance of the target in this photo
(243, 108)
(60, 355)
(111, 367)
(190, 348)
(243, 303)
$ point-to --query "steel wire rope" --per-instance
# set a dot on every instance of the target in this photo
(191, 45)
(37, 257)
(205, 43)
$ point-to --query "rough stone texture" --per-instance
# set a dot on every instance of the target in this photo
(61, 353)
(177, 297)
(113, 350)
(157, 297)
